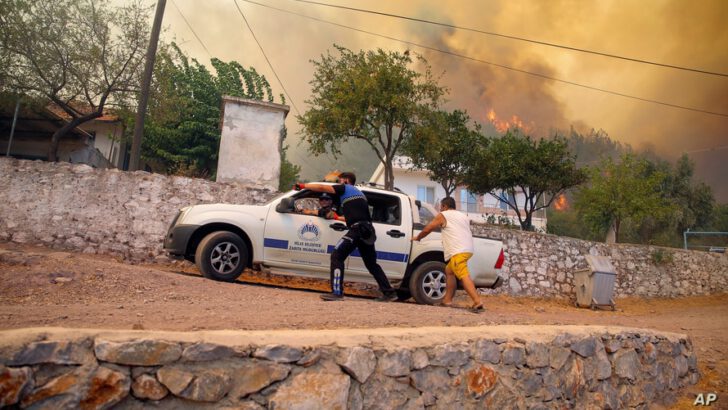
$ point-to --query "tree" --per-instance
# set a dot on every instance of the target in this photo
(443, 145)
(82, 56)
(692, 203)
(371, 96)
(515, 163)
(182, 129)
(290, 173)
(621, 192)
(694, 200)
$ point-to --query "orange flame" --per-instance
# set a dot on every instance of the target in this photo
(505, 125)
(561, 204)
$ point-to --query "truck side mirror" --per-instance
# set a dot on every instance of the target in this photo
(285, 206)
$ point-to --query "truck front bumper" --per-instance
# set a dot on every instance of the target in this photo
(178, 236)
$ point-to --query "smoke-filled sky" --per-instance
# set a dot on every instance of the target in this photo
(672, 32)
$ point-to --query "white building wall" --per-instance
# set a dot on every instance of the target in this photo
(250, 142)
(106, 140)
(408, 181)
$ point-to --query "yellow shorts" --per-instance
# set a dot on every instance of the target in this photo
(459, 264)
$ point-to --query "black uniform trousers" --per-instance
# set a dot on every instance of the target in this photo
(360, 236)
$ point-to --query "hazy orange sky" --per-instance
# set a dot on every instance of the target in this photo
(677, 32)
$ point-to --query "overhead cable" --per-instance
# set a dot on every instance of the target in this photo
(494, 64)
(266, 57)
(490, 33)
(191, 29)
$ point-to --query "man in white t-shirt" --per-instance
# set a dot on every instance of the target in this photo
(457, 241)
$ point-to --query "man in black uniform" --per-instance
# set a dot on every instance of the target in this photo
(361, 235)
(326, 209)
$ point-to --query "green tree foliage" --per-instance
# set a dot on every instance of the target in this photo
(515, 163)
(719, 222)
(588, 149)
(568, 223)
(591, 148)
(290, 173)
(372, 96)
(182, 130)
(692, 204)
(443, 145)
(621, 192)
(82, 56)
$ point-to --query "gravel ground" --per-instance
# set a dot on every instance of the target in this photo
(44, 287)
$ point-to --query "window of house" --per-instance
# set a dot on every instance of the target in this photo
(468, 201)
(426, 194)
(504, 196)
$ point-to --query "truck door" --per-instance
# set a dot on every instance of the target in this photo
(392, 221)
(298, 242)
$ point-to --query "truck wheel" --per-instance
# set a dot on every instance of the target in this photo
(222, 256)
(427, 283)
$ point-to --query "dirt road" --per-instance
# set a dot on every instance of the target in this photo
(42, 287)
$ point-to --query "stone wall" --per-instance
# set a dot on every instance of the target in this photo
(74, 206)
(127, 214)
(491, 367)
(544, 265)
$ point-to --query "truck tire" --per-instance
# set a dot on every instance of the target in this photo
(427, 283)
(222, 256)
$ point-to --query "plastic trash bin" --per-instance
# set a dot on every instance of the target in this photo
(595, 286)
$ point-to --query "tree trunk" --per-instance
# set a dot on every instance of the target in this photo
(388, 174)
(526, 225)
(448, 190)
(61, 132)
(56, 139)
(611, 234)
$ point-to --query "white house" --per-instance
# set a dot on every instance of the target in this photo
(98, 142)
(479, 208)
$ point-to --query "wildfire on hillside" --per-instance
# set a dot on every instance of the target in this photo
(504, 125)
(561, 203)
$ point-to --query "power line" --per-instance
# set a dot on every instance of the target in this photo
(304, 161)
(266, 57)
(191, 29)
(495, 64)
(708, 149)
(490, 33)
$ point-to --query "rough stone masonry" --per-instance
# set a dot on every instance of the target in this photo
(519, 367)
(126, 214)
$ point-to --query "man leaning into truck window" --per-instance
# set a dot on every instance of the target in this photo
(361, 236)
(326, 209)
(457, 241)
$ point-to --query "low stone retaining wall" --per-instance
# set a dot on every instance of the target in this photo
(535, 367)
(126, 214)
(544, 265)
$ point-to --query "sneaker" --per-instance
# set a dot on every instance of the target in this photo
(387, 297)
(477, 309)
(332, 297)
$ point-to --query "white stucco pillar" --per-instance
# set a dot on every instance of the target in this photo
(250, 141)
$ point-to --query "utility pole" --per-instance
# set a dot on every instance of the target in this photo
(136, 143)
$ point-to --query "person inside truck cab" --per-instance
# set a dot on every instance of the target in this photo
(360, 235)
(326, 209)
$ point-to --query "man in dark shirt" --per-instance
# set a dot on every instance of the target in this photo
(361, 235)
(326, 208)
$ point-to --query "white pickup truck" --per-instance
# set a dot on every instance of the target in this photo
(224, 239)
